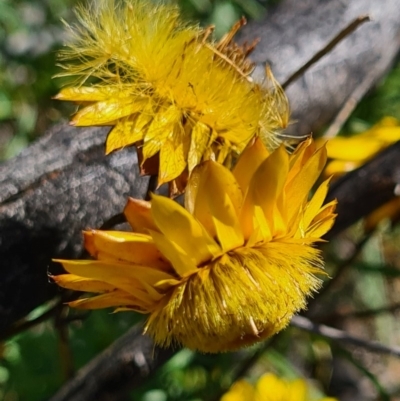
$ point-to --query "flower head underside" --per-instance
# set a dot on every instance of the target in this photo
(228, 270)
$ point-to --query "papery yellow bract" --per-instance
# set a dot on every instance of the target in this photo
(166, 87)
(348, 153)
(228, 270)
(270, 388)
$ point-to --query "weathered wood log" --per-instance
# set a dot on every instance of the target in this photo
(363, 190)
(58, 186)
(63, 183)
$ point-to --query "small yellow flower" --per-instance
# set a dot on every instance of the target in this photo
(229, 270)
(270, 388)
(347, 154)
(167, 88)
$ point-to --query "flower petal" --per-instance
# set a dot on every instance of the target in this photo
(199, 141)
(161, 128)
(323, 221)
(173, 155)
(78, 283)
(182, 229)
(313, 207)
(353, 149)
(183, 263)
(265, 188)
(389, 210)
(298, 188)
(107, 111)
(115, 298)
(123, 134)
(248, 163)
(123, 276)
(89, 93)
(218, 203)
(337, 167)
(138, 214)
(124, 246)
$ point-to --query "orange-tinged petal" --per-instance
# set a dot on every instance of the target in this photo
(325, 211)
(298, 188)
(313, 207)
(181, 228)
(138, 214)
(248, 163)
(115, 298)
(300, 156)
(389, 210)
(107, 111)
(125, 246)
(78, 283)
(123, 134)
(319, 229)
(127, 277)
(323, 221)
(218, 203)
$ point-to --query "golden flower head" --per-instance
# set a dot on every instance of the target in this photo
(270, 388)
(228, 270)
(167, 88)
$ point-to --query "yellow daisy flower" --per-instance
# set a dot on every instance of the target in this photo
(167, 88)
(270, 388)
(228, 270)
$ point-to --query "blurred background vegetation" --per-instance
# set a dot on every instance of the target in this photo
(34, 364)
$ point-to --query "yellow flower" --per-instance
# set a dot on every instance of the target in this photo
(167, 88)
(270, 388)
(347, 154)
(229, 270)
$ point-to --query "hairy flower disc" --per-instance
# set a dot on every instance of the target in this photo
(166, 87)
(229, 269)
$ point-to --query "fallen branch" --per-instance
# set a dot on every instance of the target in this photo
(331, 333)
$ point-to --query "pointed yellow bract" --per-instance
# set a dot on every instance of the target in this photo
(166, 86)
(348, 153)
(270, 388)
(229, 270)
